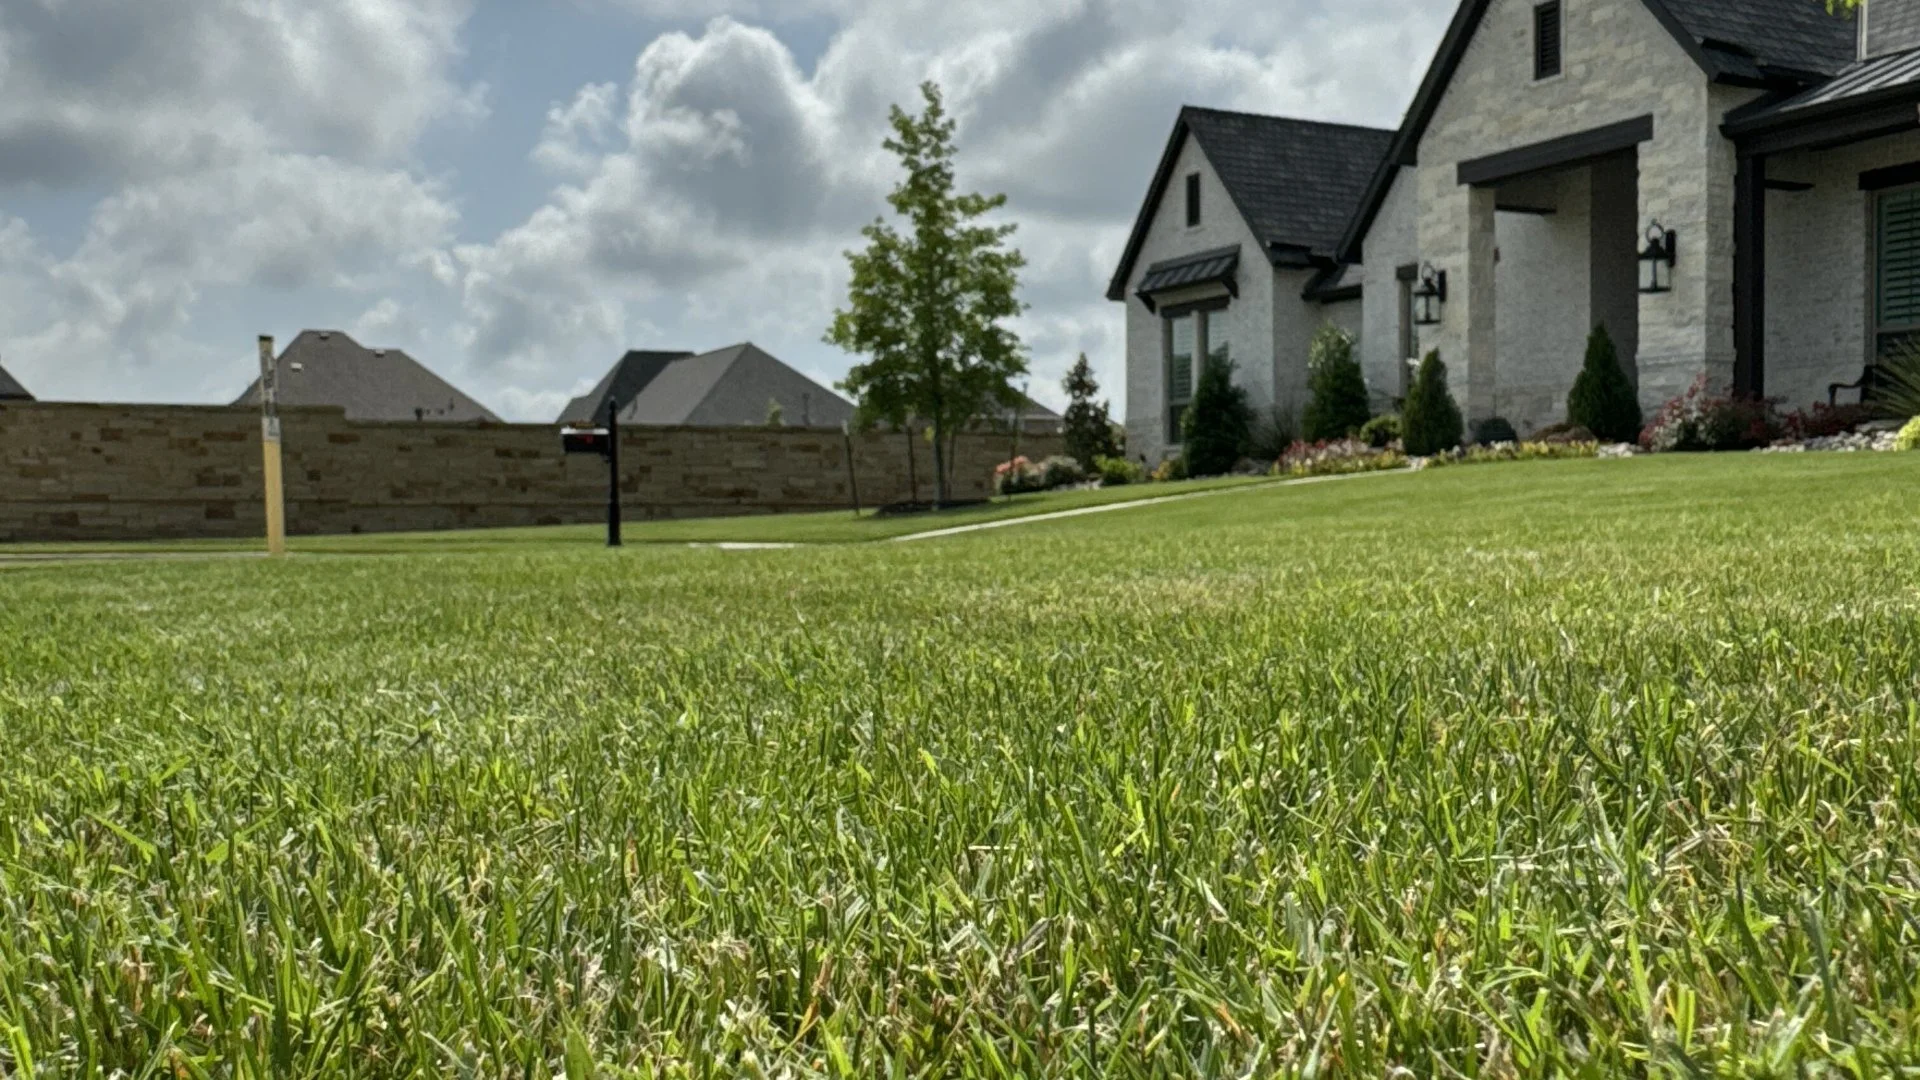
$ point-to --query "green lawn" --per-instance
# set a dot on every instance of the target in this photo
(1565, 768)
(840, 526)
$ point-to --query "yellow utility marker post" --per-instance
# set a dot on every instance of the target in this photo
(270, 449)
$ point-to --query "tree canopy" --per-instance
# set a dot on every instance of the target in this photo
(928, 306)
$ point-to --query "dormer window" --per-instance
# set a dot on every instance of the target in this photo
(1193, 200)
(1546, 40)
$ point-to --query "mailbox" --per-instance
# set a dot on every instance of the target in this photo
(587, 441)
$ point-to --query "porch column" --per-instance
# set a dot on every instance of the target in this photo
(1457, 237)
(1750, 276)
(1477, 300)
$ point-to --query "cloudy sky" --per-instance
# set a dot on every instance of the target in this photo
(516, 191)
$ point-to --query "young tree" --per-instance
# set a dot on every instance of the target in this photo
(1602, 400)
(1430, 421)
(1089, 425)
(1339, 406)
(927, 307)
(1218, 423)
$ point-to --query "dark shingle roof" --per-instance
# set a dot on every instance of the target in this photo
(1783, 35)
(1296, 182)
(624, 380)
(10, 388)
(328, 368)
(732, 387)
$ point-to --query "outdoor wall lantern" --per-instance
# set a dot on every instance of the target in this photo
(1656, 261)
(1429, 296)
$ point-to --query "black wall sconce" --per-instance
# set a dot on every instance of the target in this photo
(1657, 259)
(1429, 296)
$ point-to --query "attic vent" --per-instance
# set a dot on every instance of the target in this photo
(380, 352)
(297, 367)
(324, 336)
(1546, 40)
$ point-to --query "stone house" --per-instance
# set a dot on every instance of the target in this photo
(1732, 187)
(1234, 257)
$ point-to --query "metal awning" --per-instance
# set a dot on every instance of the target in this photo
(1219, 266)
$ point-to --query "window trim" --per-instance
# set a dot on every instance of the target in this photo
(1559, 13)
(1202, 313)
(1193, 200)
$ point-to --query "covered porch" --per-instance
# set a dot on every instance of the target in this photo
(1827, 234)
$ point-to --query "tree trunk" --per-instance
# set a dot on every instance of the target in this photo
(939, 466)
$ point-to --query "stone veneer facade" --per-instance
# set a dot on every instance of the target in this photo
(135, 472)
(1619, 63)
(1268, 327)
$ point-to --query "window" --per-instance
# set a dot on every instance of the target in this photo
(1194, 330)
(1896, 245)
(1193, 200)
(1546, 40)
(1183, 338)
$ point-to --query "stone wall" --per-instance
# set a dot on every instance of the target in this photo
(128, 472)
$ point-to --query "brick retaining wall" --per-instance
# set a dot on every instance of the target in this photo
(131, 472)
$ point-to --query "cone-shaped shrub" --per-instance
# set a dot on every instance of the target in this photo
(1215, 431)
(1430, 422)
(1339, 406)
(1603, 401)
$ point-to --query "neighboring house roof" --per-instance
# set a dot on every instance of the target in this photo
(1295, 182)
(733, 387)
(1768, 43)
(624, 381)
(10, 388)
(328, 368)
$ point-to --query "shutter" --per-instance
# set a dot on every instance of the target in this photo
(1898, 248)
(1546, 40)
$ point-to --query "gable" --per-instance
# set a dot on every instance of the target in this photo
(1293, 184)
(1771, 43)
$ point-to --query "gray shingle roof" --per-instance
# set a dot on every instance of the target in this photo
(624, 380)
(10, 388)
(1789, 35)
(1296, 182)
(328, 368)
(732, 387)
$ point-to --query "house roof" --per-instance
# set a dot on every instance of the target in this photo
(624, 381)
(10, 388)
(329, 368)
(1295, 182)
(1769, 43)
(731, 386)
(1880, 81)
(1792, 38)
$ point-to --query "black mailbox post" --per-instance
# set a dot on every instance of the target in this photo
(605, 442)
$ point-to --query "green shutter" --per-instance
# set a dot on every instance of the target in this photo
(1898, 246)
